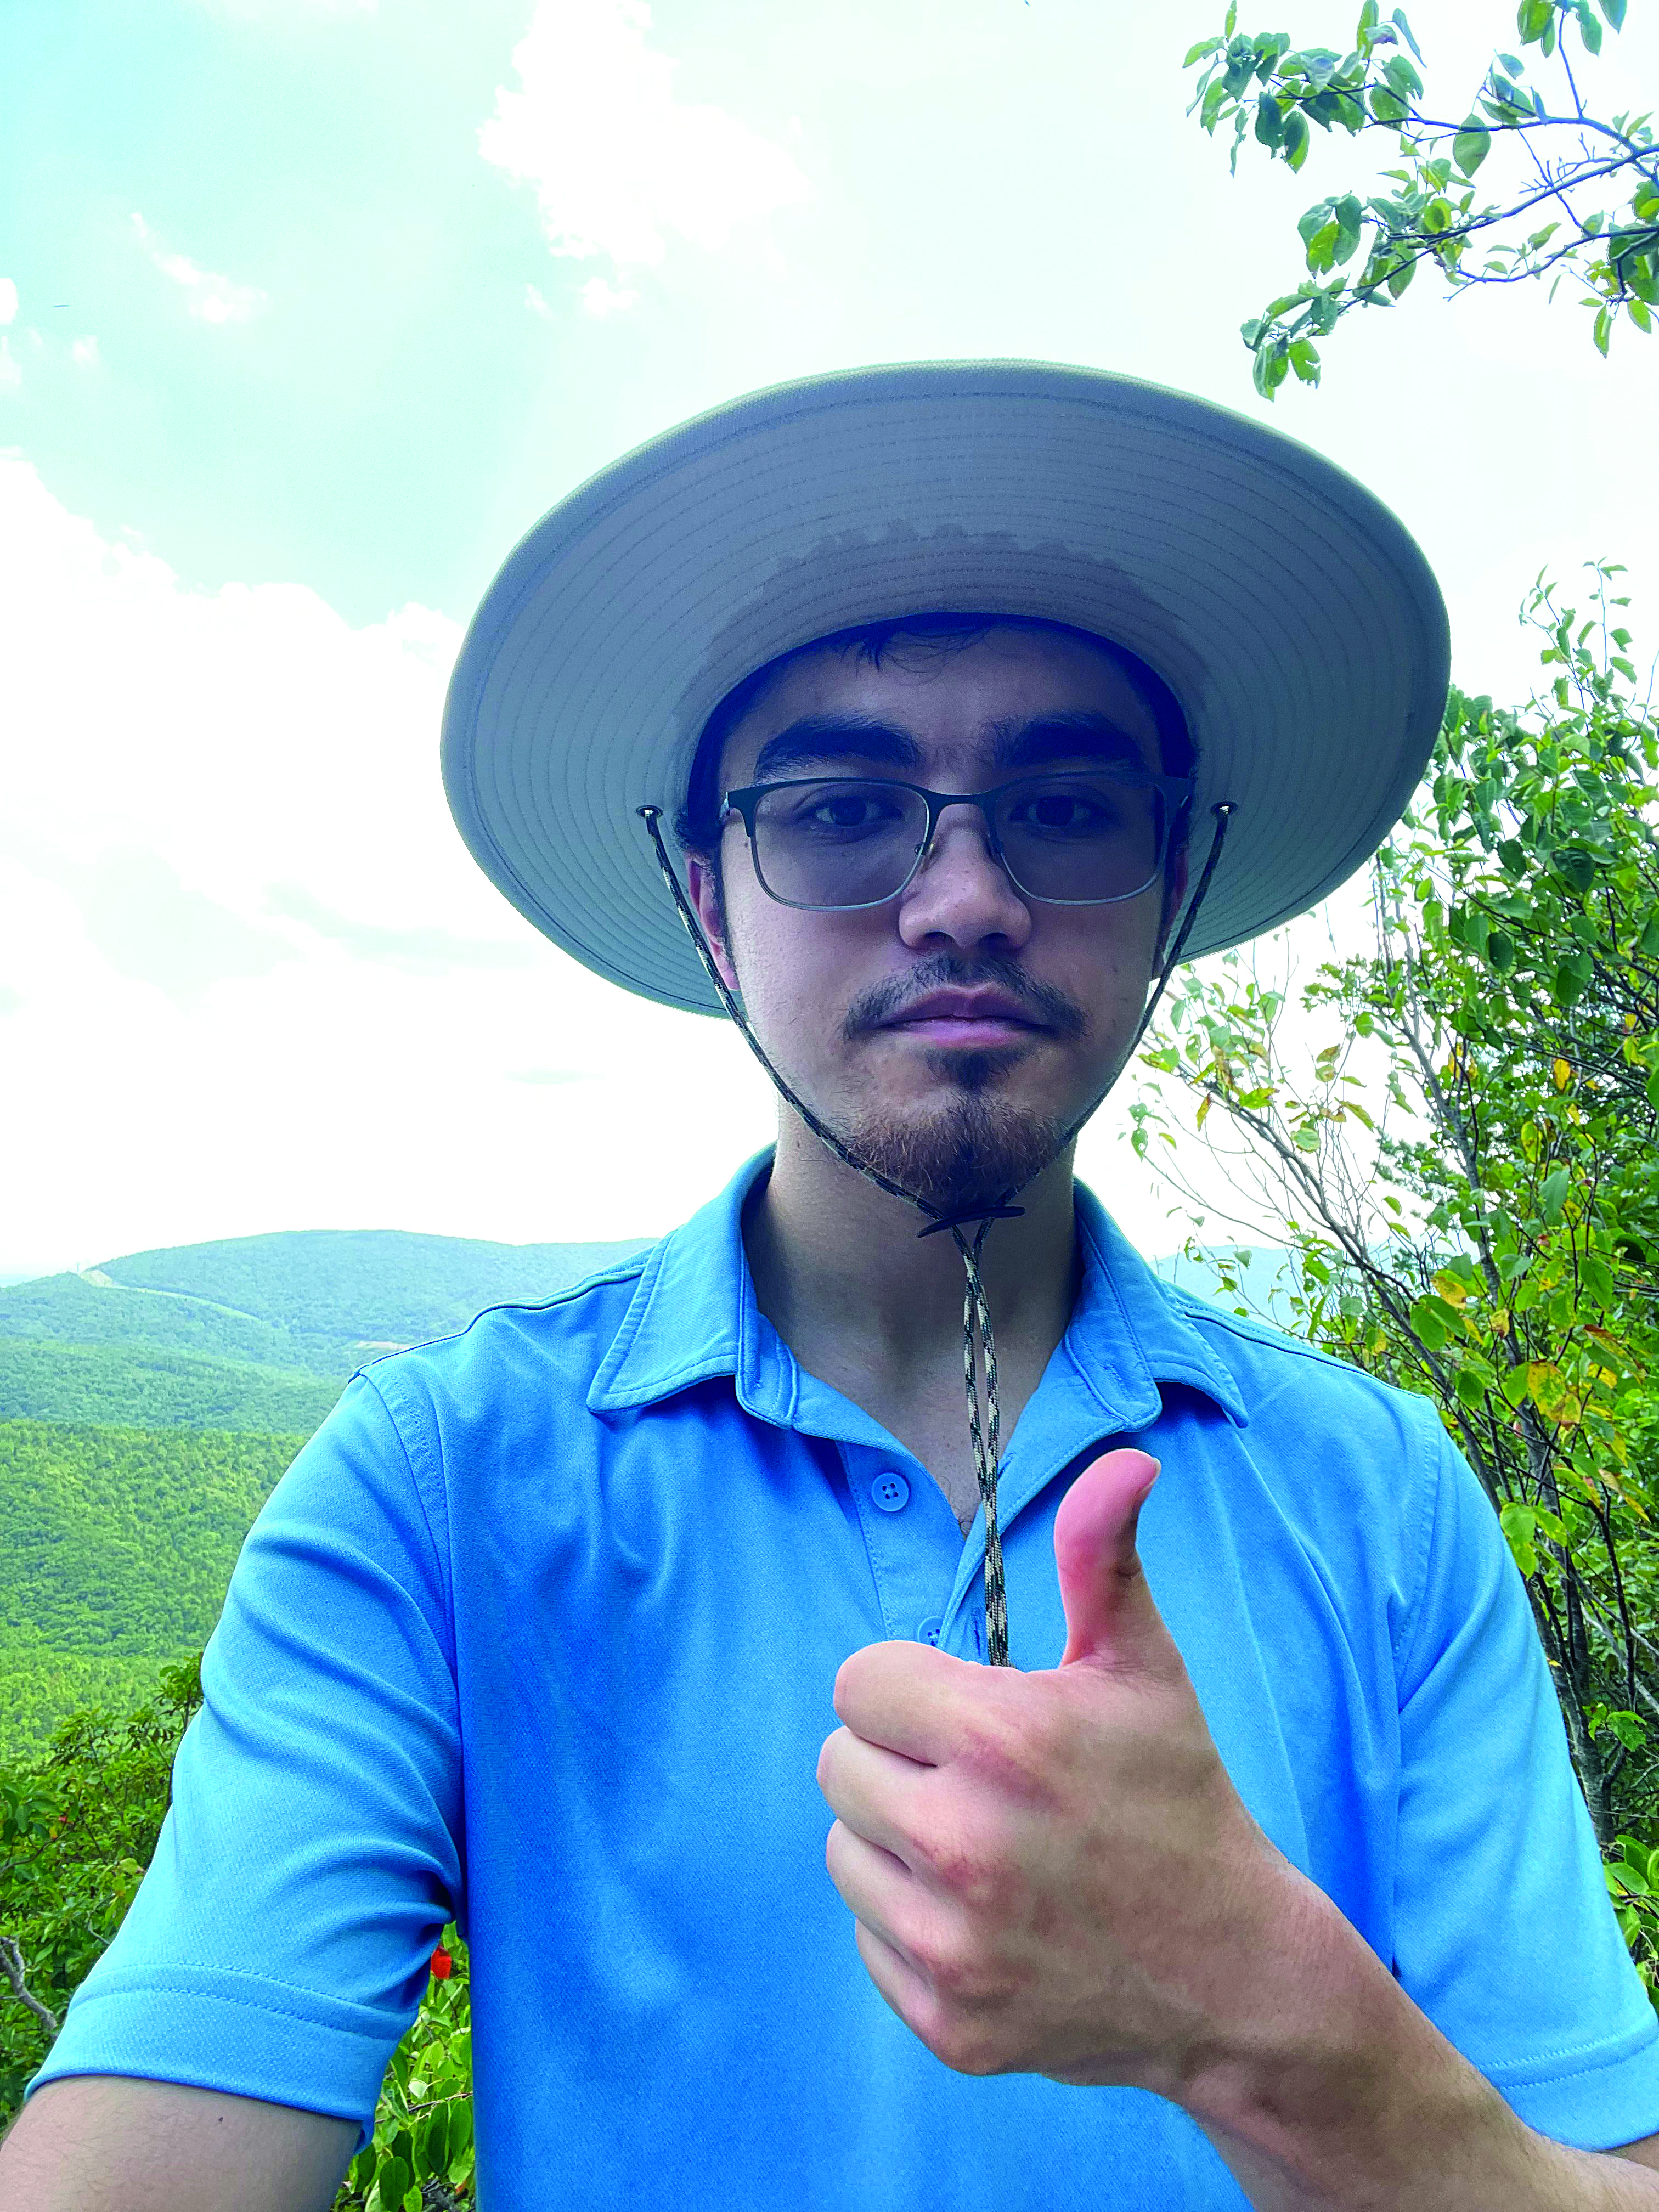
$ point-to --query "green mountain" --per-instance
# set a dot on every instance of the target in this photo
(143, 1386)
(384, 1285)
(118, 1546)
(318, 1302)
(147, 1408)
(90, 1309)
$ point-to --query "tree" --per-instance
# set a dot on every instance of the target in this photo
(1540, 225)
(78, 1828)
(1501, 1255)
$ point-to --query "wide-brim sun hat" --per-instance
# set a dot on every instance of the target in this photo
(1290, 612)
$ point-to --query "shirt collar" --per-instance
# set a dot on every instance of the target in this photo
(693, 1316)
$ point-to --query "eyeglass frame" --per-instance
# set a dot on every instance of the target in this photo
(1175, 791)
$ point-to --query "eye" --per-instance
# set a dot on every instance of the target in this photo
(842, 813)
(1067, 810)
(850, 810)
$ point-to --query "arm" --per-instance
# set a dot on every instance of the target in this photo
(278, 1946)
(1353, 2098)
(108, 2143)
(1356, 2093)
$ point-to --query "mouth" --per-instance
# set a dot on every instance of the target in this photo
(968, 1018)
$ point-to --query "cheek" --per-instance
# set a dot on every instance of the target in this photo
(796, 976)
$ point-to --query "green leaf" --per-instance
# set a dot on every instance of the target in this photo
(1294, 144)
(1552, 1194)
(1471, 1390)
(1429, 1323)
(1269, 120)
(1577, 866)
(1321, 248)
(1304, 359)
(1518, 1523)
(1471, 147)
(1402, 76)
(1500, 951)
(432, 2155)
(1589, 29)
(1614, 12)
(1204, 46)
(1603, 330)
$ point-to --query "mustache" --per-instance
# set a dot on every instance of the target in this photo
(880, 1005)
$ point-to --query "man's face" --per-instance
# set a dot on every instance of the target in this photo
(1040, 1002)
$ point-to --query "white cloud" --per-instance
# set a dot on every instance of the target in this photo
(602, 298)
(618, 163)
(252, 978)
(11, 370)
(8, 300)
(211, 299)
(536, 301)
(84, 351)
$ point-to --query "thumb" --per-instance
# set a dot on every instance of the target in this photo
(1110, 1613)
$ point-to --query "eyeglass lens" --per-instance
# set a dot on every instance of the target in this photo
(852, 843)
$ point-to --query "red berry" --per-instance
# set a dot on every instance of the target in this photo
(442, 1963)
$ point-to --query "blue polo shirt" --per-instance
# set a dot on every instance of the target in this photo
(539, 1632)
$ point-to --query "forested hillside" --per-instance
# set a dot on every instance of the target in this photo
(388, 1286)
(148, 1387)
(118, 1546)
(149, 1407)
(70, 1309)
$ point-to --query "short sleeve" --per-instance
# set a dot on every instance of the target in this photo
(1505, 1935)
(279, 1943)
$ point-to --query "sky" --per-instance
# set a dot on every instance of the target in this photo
(309, 309)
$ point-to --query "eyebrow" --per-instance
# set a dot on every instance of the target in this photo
(823, 740)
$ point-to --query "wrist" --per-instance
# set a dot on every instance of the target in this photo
(1314, 2028)
(1326, 2082)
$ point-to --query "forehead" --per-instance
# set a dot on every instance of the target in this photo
(952, 700)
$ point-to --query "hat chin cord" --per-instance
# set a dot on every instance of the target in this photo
(977, 1337)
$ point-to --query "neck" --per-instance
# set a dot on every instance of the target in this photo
(843, 1276)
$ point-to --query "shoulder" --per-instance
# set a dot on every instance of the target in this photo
(1277, 1373)
(544, 1354)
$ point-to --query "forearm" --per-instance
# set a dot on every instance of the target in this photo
(1338, 2094)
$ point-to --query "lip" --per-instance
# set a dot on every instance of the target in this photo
(966, 1018)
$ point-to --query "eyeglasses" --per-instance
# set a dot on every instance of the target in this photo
(834, 842)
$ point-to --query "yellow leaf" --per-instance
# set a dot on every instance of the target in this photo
(1500, 1321)
(1544, 1385)
(1452, 1288)
(1205, 1104)
(1562, 1073)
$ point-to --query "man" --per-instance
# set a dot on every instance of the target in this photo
(1260, 1876)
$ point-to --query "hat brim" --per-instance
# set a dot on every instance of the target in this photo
(1292, 615)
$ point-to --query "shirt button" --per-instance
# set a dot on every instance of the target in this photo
(890, 1491)
(927, 1631)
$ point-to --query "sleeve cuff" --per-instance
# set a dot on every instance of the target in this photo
(1598, 2097)
(210, 2030)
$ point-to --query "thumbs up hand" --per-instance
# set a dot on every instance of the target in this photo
(1051, 1873)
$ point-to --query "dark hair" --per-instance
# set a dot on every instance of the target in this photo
(697, 824)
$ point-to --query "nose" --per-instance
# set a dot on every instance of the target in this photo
(961, 893)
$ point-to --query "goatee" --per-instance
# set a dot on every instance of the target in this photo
(967, 1153)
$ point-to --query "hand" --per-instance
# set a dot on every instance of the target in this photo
(1051, 1873)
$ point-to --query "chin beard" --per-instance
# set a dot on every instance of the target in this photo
(963, 1154)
